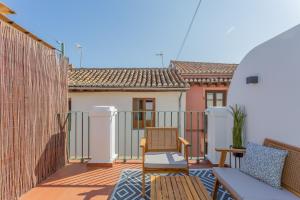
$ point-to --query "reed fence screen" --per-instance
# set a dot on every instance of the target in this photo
(33, 91)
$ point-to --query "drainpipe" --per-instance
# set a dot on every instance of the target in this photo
(179, 100)
(179, 113)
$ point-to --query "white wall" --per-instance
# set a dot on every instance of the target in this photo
(272, 105)
(84, 101)
(165, 101)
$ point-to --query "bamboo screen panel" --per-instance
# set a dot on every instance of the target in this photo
(33, 90)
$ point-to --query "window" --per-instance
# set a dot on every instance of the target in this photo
(215, 98)
(147, 114)
(70, 104)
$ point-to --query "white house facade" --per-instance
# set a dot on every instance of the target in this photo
(142, 97)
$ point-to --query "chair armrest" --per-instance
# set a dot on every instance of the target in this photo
(184, 141)
(143, 146)
(143, 143)
(227, 150)
(186, 145)
(224, 152)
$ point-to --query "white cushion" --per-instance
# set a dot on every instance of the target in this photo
(164, 160)
(248, 188)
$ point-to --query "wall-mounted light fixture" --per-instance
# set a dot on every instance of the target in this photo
(252, 80)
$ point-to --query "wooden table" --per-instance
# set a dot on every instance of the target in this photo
(178, 187)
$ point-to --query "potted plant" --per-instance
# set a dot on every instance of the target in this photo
(239, 116)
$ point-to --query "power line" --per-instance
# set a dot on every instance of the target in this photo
(189, 29)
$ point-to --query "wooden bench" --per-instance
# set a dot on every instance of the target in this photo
(229, 178)
(178, 188)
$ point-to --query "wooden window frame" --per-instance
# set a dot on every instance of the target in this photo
(141, 125)
(215, 98)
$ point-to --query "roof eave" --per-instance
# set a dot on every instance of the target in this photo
(5, 10)
(23, 30)
(75, 88)
(206, 75)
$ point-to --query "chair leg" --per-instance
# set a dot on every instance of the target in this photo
(215, 189)
(143, 184)
(187, 172)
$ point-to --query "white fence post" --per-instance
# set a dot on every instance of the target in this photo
(218, 131)
(102, 135)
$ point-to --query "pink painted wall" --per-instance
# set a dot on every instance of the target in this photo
(195, 96)
(195, 101)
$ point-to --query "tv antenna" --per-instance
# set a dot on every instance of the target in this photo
(161, 54)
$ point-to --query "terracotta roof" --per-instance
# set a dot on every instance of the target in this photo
(126, 79)
(203, 72)
(203, 68)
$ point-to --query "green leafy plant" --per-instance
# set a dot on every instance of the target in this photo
(239, 116)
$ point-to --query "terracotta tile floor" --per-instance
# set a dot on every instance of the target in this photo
(77, 181)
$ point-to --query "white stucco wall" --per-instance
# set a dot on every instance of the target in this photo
(165, 101)
(272, 105)
(84, 101)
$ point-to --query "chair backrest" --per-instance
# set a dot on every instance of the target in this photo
(291, 171)
(161, 139)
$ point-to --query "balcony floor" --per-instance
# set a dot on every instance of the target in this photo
(77, 181)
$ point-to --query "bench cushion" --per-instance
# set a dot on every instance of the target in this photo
(164, 160)
(245, 187)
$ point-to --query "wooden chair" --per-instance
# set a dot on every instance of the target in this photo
(290, 175)
(162, 152)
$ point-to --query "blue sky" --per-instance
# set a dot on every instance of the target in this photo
(128, 33)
